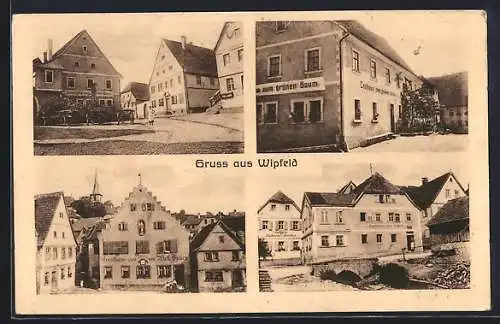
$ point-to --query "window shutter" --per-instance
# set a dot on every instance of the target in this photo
(173, 246)
(290, 226)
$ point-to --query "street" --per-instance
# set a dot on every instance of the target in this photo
(431, 143)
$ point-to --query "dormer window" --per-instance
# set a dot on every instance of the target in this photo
(282, 25)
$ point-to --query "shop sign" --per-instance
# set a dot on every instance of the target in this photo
(368, 87)
(227, 95)
(172, 257)
(294, 86)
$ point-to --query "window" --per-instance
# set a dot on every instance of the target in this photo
(108, 84)
(295, 246)
(63, 273)
(357, 110)
(49, 76)
(70, 82)
(63, 253)
(274, 66)
(168, 246)
(109, 102)
(281, 246)
(133, 207)
(153, 89)
(339, 240)
(287, 207)
(141, 247)
(375, 111)
(391, 217)
(84, 48)
(315, 111)
(298, 111)
(362, 217)
(394, 238)
(63, 234)
(398, 80)
(108, 272)
(295, 225)
(92, 65)
(355, 61)
(164, 271)
(364, 238)
(387, 75)
(47, 253)
(90, 83)
(77, 64)
(265, 225)
(379, 238)
(162, 57)
(55, 234)
(46, 278)
(214, 276)
(282, 25)
(198, 79)
(143, 271)
(161, 102)
(226, 58)
(447, 193)
(313, 60)
(221, 238)
(160, 86)
(115, 247)
(324, 240)
(397, 218)
(141, 227)
(240, 54)
(54, 253)
(166, 84)
(373, 69)
(212, 256)
(281, 225)
(451, 113)
(338, 217)
(271, 113)
(70, 252)
(122, 227)
(456, 193)
(174, 99)
(408, 216)
(101, 102)
(70, 273)
(235, 256)
(179, 79)
(159, 225)
(125, 271)
(324, 217)
(230, 84)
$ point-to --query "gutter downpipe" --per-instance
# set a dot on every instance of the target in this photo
(343, 144)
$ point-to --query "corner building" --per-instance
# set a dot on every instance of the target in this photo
(144, 246)
(323, 83)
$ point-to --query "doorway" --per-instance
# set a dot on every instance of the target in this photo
(393, 121)
(145, 111)
(410, 242)
(179, 274)
(237, 278)
(53, 282)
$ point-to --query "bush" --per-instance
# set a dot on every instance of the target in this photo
(327, 274)
(394, 275)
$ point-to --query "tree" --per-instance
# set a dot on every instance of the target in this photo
(263, 250)
(86, 208)
(418, 108)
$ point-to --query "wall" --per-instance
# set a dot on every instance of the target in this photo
(455, 118)
(199, 94)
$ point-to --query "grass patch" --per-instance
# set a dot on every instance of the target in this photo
(48, 133)
(122, 147)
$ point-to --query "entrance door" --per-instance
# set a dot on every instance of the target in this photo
(237, 278)
(393, 121)
(53, 283)
(179, 274)
(145, 108)
(410, 242)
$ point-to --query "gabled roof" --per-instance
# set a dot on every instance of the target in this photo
(425, 194)
(45, 207)
(202, 235)
(379, 43)
(191, 220)
(139, 90)
(377, 184)
(235, 223)
(347, 186)
(454, 210)
(330, 199)
(279, 198)
(221, 33)
(194, 59)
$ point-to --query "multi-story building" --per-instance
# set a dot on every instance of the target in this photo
(56, 246)
(453, 98)
(431, 195)
(183, 79)
(79, 70)
(218, 256)
(135, 96)
(376, 218)
(326, 83)
(229, 57)
(280, 228)
(144, 246)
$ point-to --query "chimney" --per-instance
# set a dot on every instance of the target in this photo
(183, 41)
(425, 180)
(44, 57)
(49, 49)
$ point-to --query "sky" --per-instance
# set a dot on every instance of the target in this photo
(178, 186)
(131, 41)
(332, 176)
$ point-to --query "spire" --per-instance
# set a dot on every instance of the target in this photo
(96, 192)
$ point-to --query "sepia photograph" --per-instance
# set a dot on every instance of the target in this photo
(377, 84)
(106, 230)
(381, 228)
(145, 85)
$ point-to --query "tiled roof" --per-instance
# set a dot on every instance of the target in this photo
(374, 40)
(90, 233)
(45, 207)
(54, 65)
(330, 198)
(377, 184)
(139, 90)
(425, 195)
(235, 223)
(454, 210)
(452, 89)
(346, 186)
(194, 59)
(279, 198)
(85, 223)
(191, 220)
(205, 231)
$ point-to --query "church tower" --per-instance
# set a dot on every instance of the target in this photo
(96, 195)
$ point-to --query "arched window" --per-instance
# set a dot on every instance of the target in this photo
(141, 227)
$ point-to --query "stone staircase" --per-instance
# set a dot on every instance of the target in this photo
(264, 281)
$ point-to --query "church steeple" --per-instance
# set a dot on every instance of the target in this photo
(96, 195)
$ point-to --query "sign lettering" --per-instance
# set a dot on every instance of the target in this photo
(368, 87)
(294, 86)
